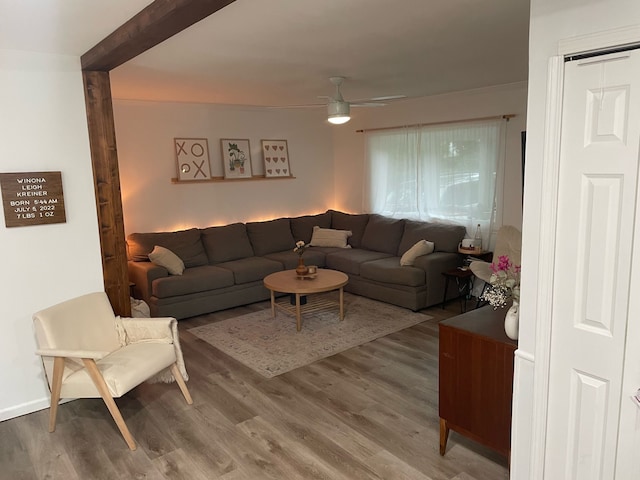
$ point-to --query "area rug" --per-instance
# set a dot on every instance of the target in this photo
(272, 347)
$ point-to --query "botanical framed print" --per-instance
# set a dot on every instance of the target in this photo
(236, 158)
(192, 159)
(276, 158)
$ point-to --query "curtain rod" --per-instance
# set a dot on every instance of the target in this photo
(496, 117)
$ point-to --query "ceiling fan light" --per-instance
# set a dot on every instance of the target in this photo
(339, 120)
(338, 112)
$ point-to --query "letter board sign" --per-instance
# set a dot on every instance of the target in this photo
(32, 198)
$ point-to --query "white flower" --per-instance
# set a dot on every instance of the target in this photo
(300, 247)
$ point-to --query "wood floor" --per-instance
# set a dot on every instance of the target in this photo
(368, 413)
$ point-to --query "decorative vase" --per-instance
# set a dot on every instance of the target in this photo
(301, 269)
(511, 320)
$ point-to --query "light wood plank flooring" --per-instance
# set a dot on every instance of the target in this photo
(368, 413)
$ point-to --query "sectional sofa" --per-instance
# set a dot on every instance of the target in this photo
(225, 265)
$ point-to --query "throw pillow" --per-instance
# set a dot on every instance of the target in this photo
(328, 237)
(167, 259)
(422, 247)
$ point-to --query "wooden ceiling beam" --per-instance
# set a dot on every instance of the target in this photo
(158, 21)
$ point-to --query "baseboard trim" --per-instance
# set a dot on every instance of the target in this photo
(24, 408)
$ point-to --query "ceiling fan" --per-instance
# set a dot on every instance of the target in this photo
(338, 109)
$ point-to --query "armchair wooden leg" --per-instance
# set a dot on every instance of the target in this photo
(100, 384)
(180, 381)
(56, 385)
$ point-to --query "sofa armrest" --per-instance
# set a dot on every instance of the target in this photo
(142, 274)
(433, 266)
(438, 262)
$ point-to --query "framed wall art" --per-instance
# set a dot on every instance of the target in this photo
(236, 158)
(276, 158)
(192, 159)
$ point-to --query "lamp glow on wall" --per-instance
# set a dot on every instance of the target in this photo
(338, 112)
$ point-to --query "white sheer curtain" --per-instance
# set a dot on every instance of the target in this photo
(450, 173)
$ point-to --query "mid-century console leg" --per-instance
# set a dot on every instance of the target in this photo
(444, 435)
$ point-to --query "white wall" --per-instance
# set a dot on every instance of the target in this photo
(145, 133)
(42, 128)
(499, 100)
(551, 21)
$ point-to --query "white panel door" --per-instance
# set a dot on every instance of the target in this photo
(593, 266)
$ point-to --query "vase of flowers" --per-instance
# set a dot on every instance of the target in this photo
(505, 286)
(300, 247)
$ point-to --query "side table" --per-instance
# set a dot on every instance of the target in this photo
(464, 282)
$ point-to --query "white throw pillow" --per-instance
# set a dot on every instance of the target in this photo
(327, 237)
(167, 259)
(422, 247)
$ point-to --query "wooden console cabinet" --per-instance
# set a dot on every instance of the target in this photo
(476, 378)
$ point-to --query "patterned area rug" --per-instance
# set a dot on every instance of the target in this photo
(272, 346)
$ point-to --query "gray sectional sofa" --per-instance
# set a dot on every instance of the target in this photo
(225, 265)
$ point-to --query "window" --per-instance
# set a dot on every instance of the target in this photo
(445, 172)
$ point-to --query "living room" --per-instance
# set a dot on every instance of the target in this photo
(44, 109)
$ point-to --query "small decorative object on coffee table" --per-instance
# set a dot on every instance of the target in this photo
(301, 269)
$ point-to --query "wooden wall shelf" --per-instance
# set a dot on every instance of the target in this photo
(222, 179)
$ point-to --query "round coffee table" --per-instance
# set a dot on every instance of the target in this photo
(289, 282)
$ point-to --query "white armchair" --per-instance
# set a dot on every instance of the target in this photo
(88, 352)
(508, 242)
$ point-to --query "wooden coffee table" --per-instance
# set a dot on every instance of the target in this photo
(289, 282)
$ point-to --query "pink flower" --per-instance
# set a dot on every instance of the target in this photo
(505, 282)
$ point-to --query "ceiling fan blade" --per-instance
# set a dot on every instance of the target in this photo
(309, 105)
(379, 99)
(368, 104)
(388, 97)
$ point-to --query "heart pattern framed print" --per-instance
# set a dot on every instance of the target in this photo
(276, 158)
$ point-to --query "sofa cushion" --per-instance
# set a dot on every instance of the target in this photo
(328, 237)
(422, 247)
(246, 270)
(302, 227)
(186, 244)
(382, 234)
(193, 280)
(349, 261)
(445, 237)
(348, 221)
(270, 236)
(166, 258)
(226, 243)
(388, 270)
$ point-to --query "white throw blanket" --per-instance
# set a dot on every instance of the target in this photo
(154, 330)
